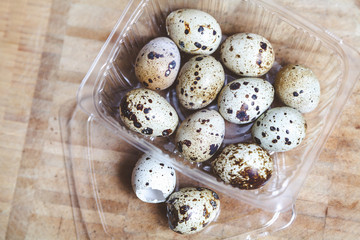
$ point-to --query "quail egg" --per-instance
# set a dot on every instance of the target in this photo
(194, 31)
(199, 82)
(244, 100)
(152, 181)
(191, 209)
(279, 129)
(247, 54)
(243, 165)
(200, 135)
(158, 63)
(146, 112)
(298, 87)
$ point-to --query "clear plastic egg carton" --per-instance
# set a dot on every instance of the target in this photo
(295, 40)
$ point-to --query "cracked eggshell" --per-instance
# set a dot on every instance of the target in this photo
(298, 87)
(191, 209)
(194, 31)
(279, 129)
(200, 135)
(247, 54)
(199, 81)
(146, 112)
(152, 181)
(244, 100)
(158, 63)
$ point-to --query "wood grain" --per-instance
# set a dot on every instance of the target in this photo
(46, 48)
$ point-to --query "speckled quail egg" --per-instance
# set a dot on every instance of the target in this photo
(146, 112)
(200, 135)
(298, 87)
(243, 165)
(247, 54)
(152, 181)
(191, 209)
(244, 100)
(199, 81)
(157, 64)
(194, 31)
(279, 129)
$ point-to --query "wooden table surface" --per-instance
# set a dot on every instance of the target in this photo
(47, 46)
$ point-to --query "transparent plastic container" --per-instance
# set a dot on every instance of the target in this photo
(98, 126)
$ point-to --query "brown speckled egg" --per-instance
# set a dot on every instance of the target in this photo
(194, 31)
(247, 54)
(191, 209)
(298, 87)
(243, 165)
(244, 100)
(146, 112)
(279, 129)
(158, 63)
(200, 135)
(199, 81)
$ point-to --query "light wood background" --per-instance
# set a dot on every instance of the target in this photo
(47, 46)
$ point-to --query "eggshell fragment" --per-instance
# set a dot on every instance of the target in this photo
(152, 181)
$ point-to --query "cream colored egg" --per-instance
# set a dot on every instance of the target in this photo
(243, 165)
(247, 54)
(298, 87)
(157, 64)
(244, 100)
(199, 82)
(200, 135)
(194, 31)
(146, 112)
(191, 209)
(279, 129)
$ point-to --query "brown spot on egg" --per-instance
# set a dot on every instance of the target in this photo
(184, 209)
(263, 45)
(197, 44)
(241, 114)
(213, 148)
(147, 110)
(127, 113)
(187, 143)
(206, 213)
(235, 85)
(147, 131)
(139, 107)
